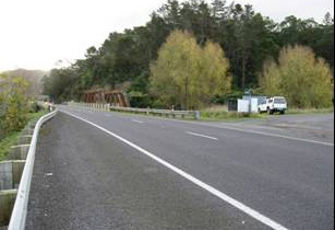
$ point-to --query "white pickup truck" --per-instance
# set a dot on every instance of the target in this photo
(273, 104)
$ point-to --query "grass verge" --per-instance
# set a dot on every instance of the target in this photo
(218, 113)
(10, 139)
(309, 111)
(6, 143)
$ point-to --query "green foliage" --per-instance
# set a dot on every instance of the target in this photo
(304, 80)
(247, 38)
(221, 113)
(6, 143)
(186, 74)
(11, 138)
(61, 84)
(34, 78)
(13, 103)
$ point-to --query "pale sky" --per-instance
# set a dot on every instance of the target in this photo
(35, 34)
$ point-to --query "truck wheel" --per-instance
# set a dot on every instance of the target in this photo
(268, 110)
(282, 112)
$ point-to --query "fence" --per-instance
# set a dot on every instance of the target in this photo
(19, 213)
(148, 111)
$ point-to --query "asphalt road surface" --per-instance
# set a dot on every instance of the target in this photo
(103, 170)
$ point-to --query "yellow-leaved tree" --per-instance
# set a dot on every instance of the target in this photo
(13, 103)
(186, 74)
(305, 81)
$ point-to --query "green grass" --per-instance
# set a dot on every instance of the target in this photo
(6, 143)
(10, 139)
(217, 113)
(309, 111)
(32, 116)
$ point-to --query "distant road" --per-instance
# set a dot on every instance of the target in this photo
(102, 170)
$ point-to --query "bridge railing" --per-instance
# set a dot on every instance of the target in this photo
(149, 111)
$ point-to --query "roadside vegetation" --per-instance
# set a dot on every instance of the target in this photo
(187, 74)
(216, 113)
(309, 110)
(194, 54)
(304, 80)
(11, 138)
(15, 110)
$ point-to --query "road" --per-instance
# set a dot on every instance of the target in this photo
(319, 127)
(102, 170)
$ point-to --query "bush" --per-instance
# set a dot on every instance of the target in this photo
(304, 80)
(34, 107)
(13, 104)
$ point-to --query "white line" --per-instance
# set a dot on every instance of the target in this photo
(274, 135)
(248, 131)
(249, 211)
(201, 135)
(137, 121)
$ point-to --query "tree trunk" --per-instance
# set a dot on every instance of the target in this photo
(243, 70)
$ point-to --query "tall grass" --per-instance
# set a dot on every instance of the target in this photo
(221, 113)
(309, 110)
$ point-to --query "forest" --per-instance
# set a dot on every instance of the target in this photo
(252, 47)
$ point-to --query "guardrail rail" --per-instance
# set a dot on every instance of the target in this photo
(19, 213)
(160, 112)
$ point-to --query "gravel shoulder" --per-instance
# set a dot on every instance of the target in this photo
(318, 127)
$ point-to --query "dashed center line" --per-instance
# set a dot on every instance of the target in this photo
(137, 121)
(202, 135)
(237, 204)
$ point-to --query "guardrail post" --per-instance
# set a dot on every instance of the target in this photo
(159, 112)
(197, 115)
(7, 199)
(18, 152)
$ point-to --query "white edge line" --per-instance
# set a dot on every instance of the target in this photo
(275, 135)
(249, 211)
(202, 135)
(249, 131)
(222, 126)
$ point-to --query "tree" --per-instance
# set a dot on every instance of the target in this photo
(186, 74)
(215, 78)
(247, 38)
(302, 78)
(61, 84)
(13, 103)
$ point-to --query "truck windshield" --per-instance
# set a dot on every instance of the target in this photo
(279, 101)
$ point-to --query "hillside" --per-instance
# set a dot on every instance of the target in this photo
(33, 76)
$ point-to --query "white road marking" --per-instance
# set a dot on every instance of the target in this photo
(231, 127)
(202, 135)
(242, 207)
(275, 135)
(107, 115)
(137, 121)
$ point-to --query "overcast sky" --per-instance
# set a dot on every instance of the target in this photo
(35, 34)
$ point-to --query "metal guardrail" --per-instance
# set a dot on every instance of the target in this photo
(148, 111)
(19, 213)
